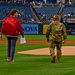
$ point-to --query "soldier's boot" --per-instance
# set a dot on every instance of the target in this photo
(52, 54)
(58, 59)
(53, 58)
(58, 55)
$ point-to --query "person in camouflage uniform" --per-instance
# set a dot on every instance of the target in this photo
(56, 30)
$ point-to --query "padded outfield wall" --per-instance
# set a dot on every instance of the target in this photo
(41, 28)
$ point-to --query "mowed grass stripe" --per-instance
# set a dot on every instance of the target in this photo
(40, 37)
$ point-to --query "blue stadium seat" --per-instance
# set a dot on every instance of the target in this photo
(26, 10)
(68, 9)
(48, 11)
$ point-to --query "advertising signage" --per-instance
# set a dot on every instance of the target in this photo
(72, 20)
(30, 28)
(69, 20)
(45, 26)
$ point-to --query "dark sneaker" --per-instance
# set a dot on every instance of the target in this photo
(53, 59)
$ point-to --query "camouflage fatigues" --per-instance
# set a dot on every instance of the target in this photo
(56, 32)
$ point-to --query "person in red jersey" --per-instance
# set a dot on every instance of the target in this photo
(11, 27)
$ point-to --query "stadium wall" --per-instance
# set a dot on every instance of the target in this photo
(41, 28)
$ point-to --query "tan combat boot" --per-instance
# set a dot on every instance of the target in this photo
(58, 55)
(53, 58)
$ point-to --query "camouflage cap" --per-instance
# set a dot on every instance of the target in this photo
(56, 17)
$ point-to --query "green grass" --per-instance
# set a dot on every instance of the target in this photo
(34, 64)
(41, 37)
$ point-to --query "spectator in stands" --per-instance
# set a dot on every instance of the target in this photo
(68, 15)
(21, 13)
(56, 29)
(72, 14)
(33, 3)
(43, 18)
(11, 27)
(45, 1)
(50, 19)
(6, 11)
(70, 30)
(15, 1)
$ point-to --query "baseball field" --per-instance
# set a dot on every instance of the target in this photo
(29, 64)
